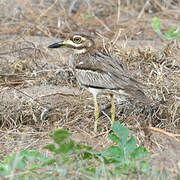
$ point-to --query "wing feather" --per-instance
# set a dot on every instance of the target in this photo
(100, 70)
(104, 71)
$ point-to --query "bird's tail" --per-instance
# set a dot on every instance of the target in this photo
(139, 95)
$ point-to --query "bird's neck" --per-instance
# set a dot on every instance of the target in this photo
(80, 58)
(80, 51)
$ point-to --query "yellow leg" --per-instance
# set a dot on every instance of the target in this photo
(96, 112)
(113, 109)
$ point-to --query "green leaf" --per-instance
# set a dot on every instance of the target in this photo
(121, 131)
(115, 151)
(173, 32)
(86, 155)
(50, 147)
(17, 161)
(35, 166)
(33, 155)
(49, 162)
(114, 138)
(20, 163)
(92, 170)
(113, 154)
(83, 146)
(41, 157)
(139, 152)
(156, 25)
(124, 139)
(29, 155)
(31, 178)
(130, 146)
(5, 170)
(65, 148)
(60, 135)
(118, 171)
(145, 167)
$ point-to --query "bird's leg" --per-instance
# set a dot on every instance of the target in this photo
(113, 109)
(96, 112)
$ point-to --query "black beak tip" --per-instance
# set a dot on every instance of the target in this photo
(55, 45)
(50, 46)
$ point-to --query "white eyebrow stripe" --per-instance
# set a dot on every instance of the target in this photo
(83, 38)
(73, 44)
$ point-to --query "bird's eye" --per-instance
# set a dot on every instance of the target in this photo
(77, 39)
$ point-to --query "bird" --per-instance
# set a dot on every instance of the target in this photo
(99, 72)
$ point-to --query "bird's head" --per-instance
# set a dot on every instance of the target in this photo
(79, 43)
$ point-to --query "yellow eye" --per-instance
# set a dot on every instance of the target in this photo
(77, 39)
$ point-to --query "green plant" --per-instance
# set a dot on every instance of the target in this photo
(20, 165)
(70, 159)
(125, 156)
(172, 33)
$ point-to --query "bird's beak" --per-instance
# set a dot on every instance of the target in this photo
(57, 45)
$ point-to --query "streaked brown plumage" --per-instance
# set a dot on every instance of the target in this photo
(100, 72)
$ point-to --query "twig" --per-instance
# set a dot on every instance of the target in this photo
(119, 11)
(11, 83)
(101, 134)
(42, 30)
(45, 12)
(175, 136)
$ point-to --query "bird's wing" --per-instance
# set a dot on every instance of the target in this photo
(102, 71)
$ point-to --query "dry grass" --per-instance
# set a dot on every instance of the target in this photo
(38, 91)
